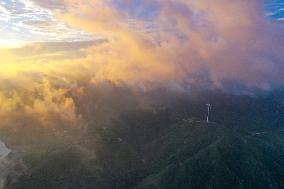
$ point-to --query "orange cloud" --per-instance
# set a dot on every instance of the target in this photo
(223, 38)
(192, 43)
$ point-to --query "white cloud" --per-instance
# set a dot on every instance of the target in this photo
(26, 20)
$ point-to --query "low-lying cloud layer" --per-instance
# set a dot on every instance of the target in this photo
(142, 44)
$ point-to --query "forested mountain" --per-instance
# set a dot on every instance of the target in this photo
(163, 143)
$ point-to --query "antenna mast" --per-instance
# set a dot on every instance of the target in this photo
(208, 112)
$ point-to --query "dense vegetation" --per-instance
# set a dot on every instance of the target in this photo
(166, 145)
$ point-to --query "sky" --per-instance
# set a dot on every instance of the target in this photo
(275, 9)
(50, 31)
(25, 21)
(133, 41)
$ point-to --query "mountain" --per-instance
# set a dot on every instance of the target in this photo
(165, 145)
(216, 157)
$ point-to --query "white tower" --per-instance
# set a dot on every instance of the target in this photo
(208, 112)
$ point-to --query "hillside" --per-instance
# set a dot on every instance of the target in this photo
(219, 158)
(166, 146)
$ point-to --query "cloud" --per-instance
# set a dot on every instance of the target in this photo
(180, 44)
(49, 4)
(30, 21)
(233, 41)
(34, 110)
